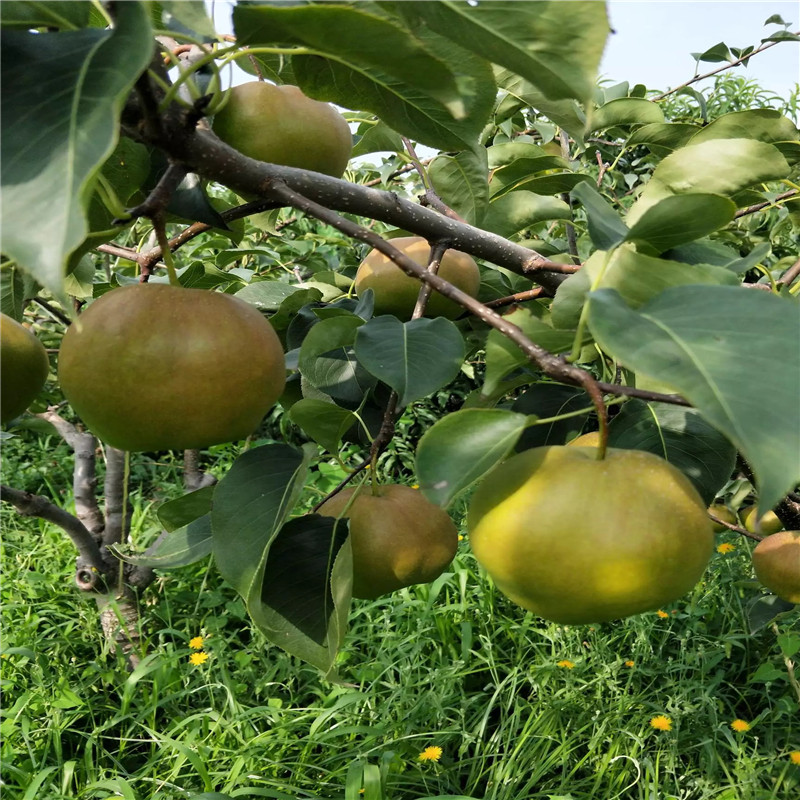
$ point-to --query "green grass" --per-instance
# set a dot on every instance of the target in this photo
(453, 665)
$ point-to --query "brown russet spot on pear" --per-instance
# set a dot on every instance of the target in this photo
(157, 367)
(578, 540)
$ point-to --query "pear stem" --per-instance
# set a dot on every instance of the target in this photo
(166, 252)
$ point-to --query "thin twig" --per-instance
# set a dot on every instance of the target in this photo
(54, 312)
(430, 198)
(519, 297)
(572, 242)
(790, 275)
(725, 66)
(735, 528)
(742, 212)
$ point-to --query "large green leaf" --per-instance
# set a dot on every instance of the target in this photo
(679, 435)
(363, 41)
(60, 102)
(730, 351)
(251, 504)
(679, 219)
(556, 46)
(64, 14)
(636, 276)
(626, 111)
(462, 182)
(302, 602)
(718, 166)
(12, 293)
(461, 447)
(670, 135)
(328, 361)
(325, 423)
(549, 400)
(176, 513)
(415, 358)
(764, 124)
(175, 548)
(518, 210)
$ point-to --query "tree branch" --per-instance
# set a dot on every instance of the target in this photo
(116, 514)
(34, 505)
(202, 152)
(725, 66)
(742, 212)
(84, 475)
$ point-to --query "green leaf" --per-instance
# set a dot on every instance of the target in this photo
(765, 609)
(719, 166)
(364, 42)
(719, 52)
(328, 361)
(12, 293)
(626, 111)
(636, 276)
(251, 504)
(191, 16)
(302, 602)
(66, 15)
(461, 447)
(679, 219)
(375, 138)
(176, 548)
(402, 107)
(763, 124)
(415, 358)
(767, 673)
(567, 114)
(789, 644)
(183, 510)
(547, 400)
(518, 210)
(517, 172)
(267, 295)
(325, 423)
(61, 97)
(606, 229)
(732, 353)
(671, 135)
(556, 46)
(503, 356)
(679, 435)
(462, 182)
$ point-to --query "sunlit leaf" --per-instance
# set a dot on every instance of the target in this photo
(732, 353)
(461, 447)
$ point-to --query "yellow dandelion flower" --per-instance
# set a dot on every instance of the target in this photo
(661, 723)
(740, 726)
(630, 664)
(198, 658)
(662, 614)
(415, 486)
(566, 664)
(430, 754)
(794, 756)
(460, 538)
(196, 643)
(726, 547)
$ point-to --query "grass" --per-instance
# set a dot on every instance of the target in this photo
(451, 665)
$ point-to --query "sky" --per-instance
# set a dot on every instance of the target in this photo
(654, 39)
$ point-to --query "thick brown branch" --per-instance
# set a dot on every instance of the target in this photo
(205, 154)
(84, 476)
(115, 493)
